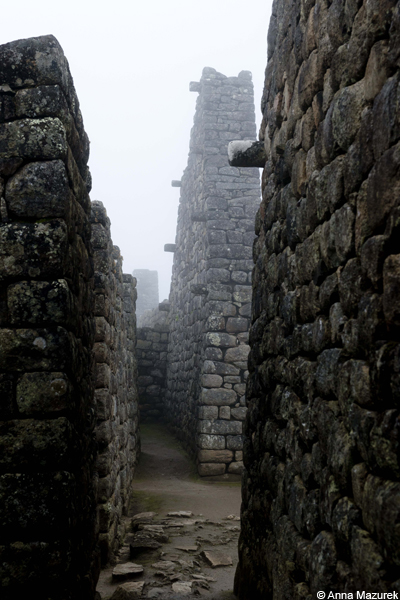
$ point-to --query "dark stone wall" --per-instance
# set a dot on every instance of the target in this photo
(47, 443)
(151, 350)
(321, 490)
(62, 447)
(210, 287)
(116, 384)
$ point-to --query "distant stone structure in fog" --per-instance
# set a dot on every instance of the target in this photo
(147, 290)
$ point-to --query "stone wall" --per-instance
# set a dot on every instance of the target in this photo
(210, 288)
(47, 515)
(51, 475)
(115, 382)
(321, 490)
(151, 350)
(147, 290)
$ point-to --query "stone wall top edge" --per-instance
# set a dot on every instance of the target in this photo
(39, 61)
(245, 75)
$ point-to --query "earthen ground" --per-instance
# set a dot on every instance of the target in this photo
(166, 481)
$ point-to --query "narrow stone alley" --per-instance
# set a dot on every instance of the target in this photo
(180, 527)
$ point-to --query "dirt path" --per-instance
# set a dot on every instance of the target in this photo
(166, 482)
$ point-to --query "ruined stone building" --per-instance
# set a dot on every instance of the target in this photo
(147, 290)
(276, 356)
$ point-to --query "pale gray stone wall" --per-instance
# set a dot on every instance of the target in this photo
(211, 279)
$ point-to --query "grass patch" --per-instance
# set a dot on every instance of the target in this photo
(143, 501)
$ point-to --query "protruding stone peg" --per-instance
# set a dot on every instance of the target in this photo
(169, 247)
(246, 153)
(176, 183)
(194, 86)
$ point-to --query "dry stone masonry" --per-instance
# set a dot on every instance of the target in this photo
(53, 323)
(151, 350)
(321, 489)
(115, 382)
(211, 288)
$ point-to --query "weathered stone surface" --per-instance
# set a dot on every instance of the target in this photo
(217, 560)
(218, 456)
(127, 591)
(53, 471)
(218, 397)
(39, 190)
(127, 570)
(33, 249)
(320, 443)
(211, 280)
(43, 392)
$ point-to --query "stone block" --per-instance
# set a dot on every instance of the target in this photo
(219, 368)
(222, 340)
(208, 412)
(30, 503)
(33, 249)
(215, 456)
(235, 325)
(211, 381)
(24, 139)
(38, 349)
(234, 442)
(242, 293)
(36, 444)
(238, 354)
(239, 413)
(37, 302)
(210, 469)
(236, 468)
(39, 190)
(211, 442)
(224, 412)
(104, 403)
(220, 427)
(218, 397)
(391, 289)
(43, 393)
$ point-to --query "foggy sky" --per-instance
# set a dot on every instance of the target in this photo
(132, 63)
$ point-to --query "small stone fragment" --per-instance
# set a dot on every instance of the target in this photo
(180, 513)
(155, 593)
(182, 587)
(217, 560)
(164, 565)
(201, 577)
(128, 591)
(187, 548)
(233, 518)
(144, 517)
(126, 570)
